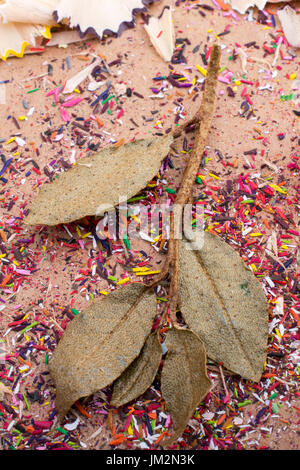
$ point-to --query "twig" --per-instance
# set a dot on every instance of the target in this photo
(202, 121)
(194, 121)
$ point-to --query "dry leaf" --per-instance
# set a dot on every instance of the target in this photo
(101, 17)
(98, 182)
(290, 22)
(184, 382)
(100, 343)
(161, 33)
(140, 374)
(223, 302)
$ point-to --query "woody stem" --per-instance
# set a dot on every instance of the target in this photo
(202, 121)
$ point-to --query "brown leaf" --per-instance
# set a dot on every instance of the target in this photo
(184, 382)
(223, 302)
(100, 343)
(140, 374)
(98, 181)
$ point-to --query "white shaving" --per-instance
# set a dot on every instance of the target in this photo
(290, 22)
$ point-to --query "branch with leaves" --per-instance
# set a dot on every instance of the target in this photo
(221, 301)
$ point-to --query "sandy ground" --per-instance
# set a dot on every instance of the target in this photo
(59, 268)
